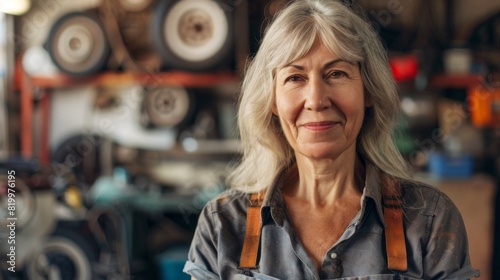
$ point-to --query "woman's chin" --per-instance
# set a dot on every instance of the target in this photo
(322, 154)
(325, 151)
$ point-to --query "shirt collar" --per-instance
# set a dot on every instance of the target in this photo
(373, 189)
(274, 203)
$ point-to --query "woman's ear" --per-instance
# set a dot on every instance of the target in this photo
(274, 109)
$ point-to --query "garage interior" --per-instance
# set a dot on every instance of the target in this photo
(119, 120)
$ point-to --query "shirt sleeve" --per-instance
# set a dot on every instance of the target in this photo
(202, 258)
(447, 250)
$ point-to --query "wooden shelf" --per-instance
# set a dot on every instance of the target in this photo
(457, 81)
(114, 79)
(464, 81)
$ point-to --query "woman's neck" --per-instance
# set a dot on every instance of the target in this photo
(325, 182)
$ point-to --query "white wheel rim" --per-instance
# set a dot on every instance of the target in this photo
(61, 245)
(79, 44)
(75, 44)
(168, 106)
(195, 30)
(24, 206)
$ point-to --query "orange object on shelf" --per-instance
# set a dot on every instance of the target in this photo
(484, 106)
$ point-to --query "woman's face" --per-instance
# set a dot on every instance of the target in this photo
(320, 103)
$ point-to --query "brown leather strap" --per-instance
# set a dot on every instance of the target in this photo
(394, 231)
(250, 251)
(393, 216)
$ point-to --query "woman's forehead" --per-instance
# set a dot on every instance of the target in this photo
(328, 52)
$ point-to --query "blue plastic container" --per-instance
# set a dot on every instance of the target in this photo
(446, 166)
(171, 263)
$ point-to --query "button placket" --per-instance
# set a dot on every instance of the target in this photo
(332, 267)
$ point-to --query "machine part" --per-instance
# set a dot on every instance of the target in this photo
(73, 197)
(486, 35)
(78, 44)
(420, 110)
(79, 154)
(110, 228)
(135, 5)
(24, 203)
(66, 254)
(168, 106)
(111, 19)
(191, 34)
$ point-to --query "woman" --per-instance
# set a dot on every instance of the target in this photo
(321, 191)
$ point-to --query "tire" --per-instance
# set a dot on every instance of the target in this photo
(24, 204)
(65, 255)
(77, 44)
(168, 106)
(81, 154)
(135, 5)
(193, 35)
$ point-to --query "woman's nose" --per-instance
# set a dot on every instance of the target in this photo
(317, 98)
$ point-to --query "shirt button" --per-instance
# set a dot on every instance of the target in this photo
(333, 255)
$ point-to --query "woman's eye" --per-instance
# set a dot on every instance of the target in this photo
(337, 74)
(293, 78)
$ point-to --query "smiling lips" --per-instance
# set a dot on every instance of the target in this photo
(320, 126)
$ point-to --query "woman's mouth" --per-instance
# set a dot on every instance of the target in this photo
(320, 126)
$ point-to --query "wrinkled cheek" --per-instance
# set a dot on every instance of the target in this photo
(291, 133)
(287, 118)
(355, 126)
(289, 130)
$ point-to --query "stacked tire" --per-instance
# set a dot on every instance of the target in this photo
(191, 35)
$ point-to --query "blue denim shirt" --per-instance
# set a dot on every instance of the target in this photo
(435, 238)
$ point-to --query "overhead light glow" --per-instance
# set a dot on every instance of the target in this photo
(14, 7)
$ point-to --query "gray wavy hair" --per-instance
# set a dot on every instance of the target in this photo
(289, 37)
